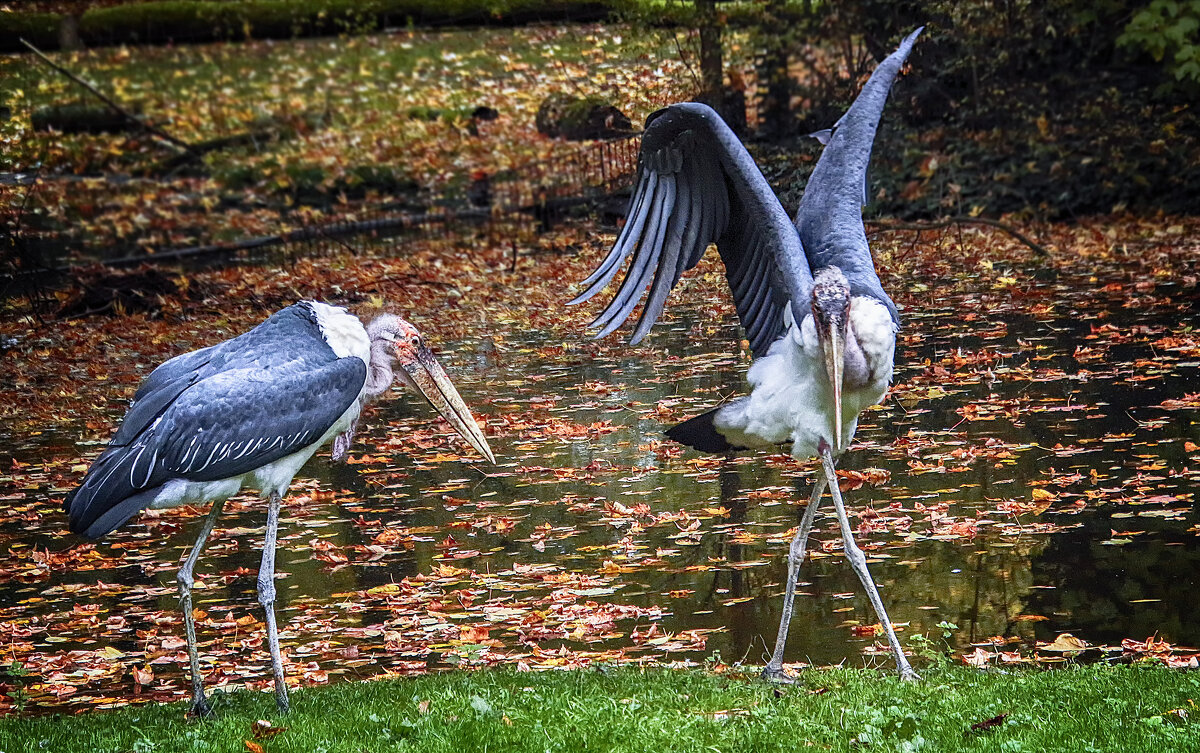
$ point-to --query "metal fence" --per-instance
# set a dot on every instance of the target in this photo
(514, 203)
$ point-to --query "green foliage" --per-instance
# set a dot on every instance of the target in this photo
(1169, 31)
(937, 653)
(219, 20)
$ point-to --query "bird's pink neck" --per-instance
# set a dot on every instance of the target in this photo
(379, 371)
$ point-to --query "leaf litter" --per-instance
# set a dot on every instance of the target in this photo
(1036, 402)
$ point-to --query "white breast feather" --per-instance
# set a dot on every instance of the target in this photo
(876, 334)
(790, 398)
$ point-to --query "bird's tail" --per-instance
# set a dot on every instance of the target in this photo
(107, 498)
(699, 433)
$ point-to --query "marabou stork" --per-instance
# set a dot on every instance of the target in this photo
(251, 411)
(821, 328)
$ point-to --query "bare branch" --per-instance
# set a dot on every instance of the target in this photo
(883, 227)
(108, 100)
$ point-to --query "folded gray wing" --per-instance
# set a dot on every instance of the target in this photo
(236, 421)
(697, 185)
(222, 426)
(254, 348)
(830, 215)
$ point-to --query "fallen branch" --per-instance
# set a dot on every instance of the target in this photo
(963, 220)
(108, 100)
(196, 151)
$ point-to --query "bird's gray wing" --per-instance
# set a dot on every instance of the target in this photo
(222, 426)
(293, 325)
(697, 185)
(238, 420)
(830, 215)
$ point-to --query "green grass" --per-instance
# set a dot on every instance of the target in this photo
(1093, 708)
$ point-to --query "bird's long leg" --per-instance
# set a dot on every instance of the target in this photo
(859, 562)
(266, 597)
(184, 578)
(774, 669)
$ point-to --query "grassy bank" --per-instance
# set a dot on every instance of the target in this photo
(959, 709)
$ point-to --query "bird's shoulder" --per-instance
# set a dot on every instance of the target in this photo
(297, 383)
(289, 335)
(875, 330)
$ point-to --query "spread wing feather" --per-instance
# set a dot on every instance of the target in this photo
(697, 185)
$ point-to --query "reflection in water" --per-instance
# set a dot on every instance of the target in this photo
(1034, 484)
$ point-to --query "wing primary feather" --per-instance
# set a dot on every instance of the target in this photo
(688, 249)
(650, 257)
(641, 256)
(738, 269)
(711, 230)
(645, 188)
(756, 296)
(664, 275)
(718, 194)
(752, 312)
(765, 325)
(608, 269)
(755, 318)
(752, 268)
(645, 242)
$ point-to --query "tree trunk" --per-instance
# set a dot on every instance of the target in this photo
(68, 32)
(711, 68)
(731, 105)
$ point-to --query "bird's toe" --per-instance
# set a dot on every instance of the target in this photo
(777, 675)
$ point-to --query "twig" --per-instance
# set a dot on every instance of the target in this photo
(108, 100)
(886, 226)
(683, 59)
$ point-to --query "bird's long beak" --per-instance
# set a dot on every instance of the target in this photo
(833, 344)
(430, 380)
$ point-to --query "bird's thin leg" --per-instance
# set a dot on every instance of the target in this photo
(266, 597)
(774, 669)
(184, 578)
(859, 562)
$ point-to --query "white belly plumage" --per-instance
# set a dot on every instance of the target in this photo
(791, 399)
(272, 477)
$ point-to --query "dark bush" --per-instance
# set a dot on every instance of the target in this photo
(39, 28)
(218, 20)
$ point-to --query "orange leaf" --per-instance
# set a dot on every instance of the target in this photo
(264, 730)
(143, 675)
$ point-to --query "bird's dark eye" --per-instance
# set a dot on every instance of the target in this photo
(416, 341)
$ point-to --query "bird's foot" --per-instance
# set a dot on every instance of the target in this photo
(200, 709)
(282, 703)
(777, 675)
(908, 674)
